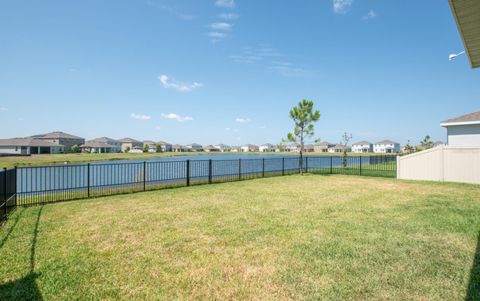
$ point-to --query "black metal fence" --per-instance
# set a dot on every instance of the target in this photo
(8, 192)
(46, 184)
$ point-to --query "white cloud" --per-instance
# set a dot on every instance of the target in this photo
(179, 86)
(176, 117)
(242, 120)
(225, 3)
(3, 109)
(287, 69)
(228, 129)
(370, 15)
(172, 11)
(227, 16)
(140, 116)
(158, 128)
(217, 35)
(221, 26)
(341, 6)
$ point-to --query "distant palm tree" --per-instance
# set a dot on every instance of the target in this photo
(426, 143)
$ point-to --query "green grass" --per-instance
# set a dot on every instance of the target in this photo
(46, 159)
(312, 237)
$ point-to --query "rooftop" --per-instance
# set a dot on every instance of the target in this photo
(471, 118)
(386, 142)
(26, 142)
(56, 135)
(467, 17)
(362, 143)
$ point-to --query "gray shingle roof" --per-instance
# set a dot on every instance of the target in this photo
(386, 142)
(471, 117)
(26, 142)
(129, 140)
(56, 135)
(362, 143)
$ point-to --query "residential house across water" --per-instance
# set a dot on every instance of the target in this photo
(29, 146)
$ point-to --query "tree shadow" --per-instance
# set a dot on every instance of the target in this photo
(473, 292)
(26, 287)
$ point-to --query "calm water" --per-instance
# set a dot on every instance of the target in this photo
(163, 170)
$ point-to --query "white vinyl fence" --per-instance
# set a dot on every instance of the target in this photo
(442, 163)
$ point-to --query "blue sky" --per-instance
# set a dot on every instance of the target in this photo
(228, 71)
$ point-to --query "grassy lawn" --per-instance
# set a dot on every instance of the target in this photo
(38, 160)
(312, 237)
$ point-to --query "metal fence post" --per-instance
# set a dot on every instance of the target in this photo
(144, 175)
(283, 166)
(331, 164)
(263, 167)
(210, 171)
(239, 169)
(16, 188)
(88, 180)
(306, 164)
(360, 165)
(5, 192)
(188, 172)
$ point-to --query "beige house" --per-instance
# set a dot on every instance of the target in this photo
(29, 146)
(249, 148)
(130, 145)
(114, 146)
(322, 147)
(338, 148)
(61, 139)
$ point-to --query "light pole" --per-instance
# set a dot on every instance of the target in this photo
(453, 56)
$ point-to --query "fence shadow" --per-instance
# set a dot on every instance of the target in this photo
(10, 230)
(26, 287)
(473, 292)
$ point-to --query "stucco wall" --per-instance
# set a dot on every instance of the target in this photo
(464, 135)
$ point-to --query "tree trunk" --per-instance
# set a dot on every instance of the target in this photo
(301, 154)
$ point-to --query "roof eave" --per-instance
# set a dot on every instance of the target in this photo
(447, 124)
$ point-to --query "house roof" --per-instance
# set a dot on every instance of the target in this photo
(179, 146)
(249, 145)
(26, 142)
(193, 144)
(339, 146)
(386, 142)
(129, 140)
(467, 17)
(163, 143)
(471, 118)
(106, 140)
(148, 142)
(324, 143)
(268, 145)
(362, 143)
(95, 144)
(56, 135)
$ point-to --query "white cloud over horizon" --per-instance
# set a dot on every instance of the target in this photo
(221, 26)
(169, 83)
(225, 3)
(3, 109)
(176, 117)
(140, 116)
(242, 120)
(341, 6)
(228, 16)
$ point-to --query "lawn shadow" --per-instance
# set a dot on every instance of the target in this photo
(473, 292)
(12, 227)
(26, 287)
